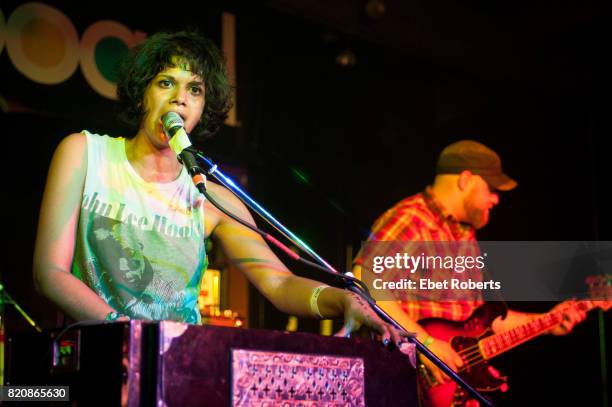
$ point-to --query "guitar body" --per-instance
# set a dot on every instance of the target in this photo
(462, 335)
(474, 340)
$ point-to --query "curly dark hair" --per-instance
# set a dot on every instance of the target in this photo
(155, 54)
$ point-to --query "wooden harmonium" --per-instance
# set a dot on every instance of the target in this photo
(141, 363)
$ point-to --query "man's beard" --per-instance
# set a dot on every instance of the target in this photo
(478, 218)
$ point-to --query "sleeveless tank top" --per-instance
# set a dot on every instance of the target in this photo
(140, 245)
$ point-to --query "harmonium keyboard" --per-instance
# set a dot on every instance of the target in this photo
(144, 363)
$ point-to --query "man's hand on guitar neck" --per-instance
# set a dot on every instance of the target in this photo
(571, 316)
(447, 354)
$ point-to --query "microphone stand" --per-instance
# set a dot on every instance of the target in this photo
(190, 156)
(213, 170)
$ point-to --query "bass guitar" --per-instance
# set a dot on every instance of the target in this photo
(476, 343)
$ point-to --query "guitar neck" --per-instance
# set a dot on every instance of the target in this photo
(497, 344)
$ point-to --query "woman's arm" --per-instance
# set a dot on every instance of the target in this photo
(56, 235)
(289, 293)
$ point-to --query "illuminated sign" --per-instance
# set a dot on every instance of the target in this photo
(43, 45)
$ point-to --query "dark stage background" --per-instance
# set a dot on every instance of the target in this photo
(328, 147)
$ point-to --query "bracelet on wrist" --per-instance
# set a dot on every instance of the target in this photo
(113, 316)
(314, 300)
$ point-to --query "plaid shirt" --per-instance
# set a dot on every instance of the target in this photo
(422, 218)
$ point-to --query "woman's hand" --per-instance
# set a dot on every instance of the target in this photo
(358, 313)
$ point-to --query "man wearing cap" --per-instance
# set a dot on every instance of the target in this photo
(468, 178)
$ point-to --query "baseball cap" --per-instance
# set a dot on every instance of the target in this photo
(477, 158)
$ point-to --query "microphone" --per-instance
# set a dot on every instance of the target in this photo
(174, 127)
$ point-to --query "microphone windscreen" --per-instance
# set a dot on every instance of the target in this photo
(171, 121)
